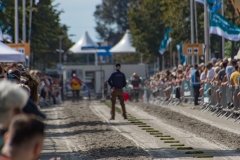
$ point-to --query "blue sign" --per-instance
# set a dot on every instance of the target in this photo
(106, 48)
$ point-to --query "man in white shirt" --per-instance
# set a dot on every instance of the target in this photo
(210, 73)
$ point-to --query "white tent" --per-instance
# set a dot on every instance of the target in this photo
(124, 45)
(238, 55)
(84, 41)
(8, 54)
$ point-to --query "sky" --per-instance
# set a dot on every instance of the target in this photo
(78, 15)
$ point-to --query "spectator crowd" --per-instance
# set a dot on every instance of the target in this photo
(221, 72)
(22, 94)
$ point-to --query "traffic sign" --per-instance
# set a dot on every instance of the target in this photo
(193, 49)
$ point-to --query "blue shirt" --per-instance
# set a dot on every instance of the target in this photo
(229, 71)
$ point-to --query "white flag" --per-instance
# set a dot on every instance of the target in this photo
(1, 35)
(200, 1)
(169, 41)
(36, 2)
(7, 38)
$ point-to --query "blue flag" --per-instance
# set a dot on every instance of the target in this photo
(164, 42)
(2, 5)
(217, 5)
(182, 58)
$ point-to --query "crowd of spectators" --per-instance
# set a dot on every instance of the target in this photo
(22, 94)
(221, 72)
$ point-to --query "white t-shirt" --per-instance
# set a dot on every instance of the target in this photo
(203, 76)
(210, 74)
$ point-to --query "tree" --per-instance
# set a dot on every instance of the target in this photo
(147, 27)
(46, 29)
(111, 18)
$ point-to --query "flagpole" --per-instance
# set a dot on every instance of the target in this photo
(16, 22)
(192, 27)
(223, 40)
(24, 21)
(30, 22)
(206, 32)
(196, 26)
(171, 55)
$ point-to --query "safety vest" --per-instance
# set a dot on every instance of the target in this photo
(194, 79)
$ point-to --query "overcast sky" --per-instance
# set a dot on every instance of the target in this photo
(78, 15)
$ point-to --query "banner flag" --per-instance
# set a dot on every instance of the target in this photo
(219, 25)
(164, 42)
(181, 56)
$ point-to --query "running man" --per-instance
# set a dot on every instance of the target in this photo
(117, 82)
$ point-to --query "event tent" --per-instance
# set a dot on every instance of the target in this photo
(85, 41)
(124, 45)
(8, 54)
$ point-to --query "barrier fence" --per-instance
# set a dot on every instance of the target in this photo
(175, 94)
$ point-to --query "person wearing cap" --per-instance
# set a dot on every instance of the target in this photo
(117, 82)
(76, 84)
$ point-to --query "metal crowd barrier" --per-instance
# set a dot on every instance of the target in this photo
(228, 106)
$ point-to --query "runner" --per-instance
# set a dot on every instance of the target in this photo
(117, 81)
(76, 84)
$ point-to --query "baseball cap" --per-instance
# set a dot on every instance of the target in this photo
(214, 59)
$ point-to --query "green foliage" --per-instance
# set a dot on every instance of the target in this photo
(46, 29)
(147, 27)
(111, 18)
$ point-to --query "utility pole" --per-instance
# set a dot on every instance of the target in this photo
(60, 49)
(192, 28)
(16, 22)
(206, 32)
(223, 40)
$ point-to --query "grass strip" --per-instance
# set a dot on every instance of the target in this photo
(147, 129)
(177, 145)
(142, 126)
(160, 135)
(155, 133)
(136, 122)
(152, 131)
(167, 139)
(184, 148)
(171, 141)
(194, 152)
(132, 119)
(203, 156)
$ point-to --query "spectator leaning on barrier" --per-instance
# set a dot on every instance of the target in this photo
(195, 81)
(210, 73)
(234, 76)
(220, 78)
(24, 140)
(12, 100)
(117, 82)
(230, 69)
